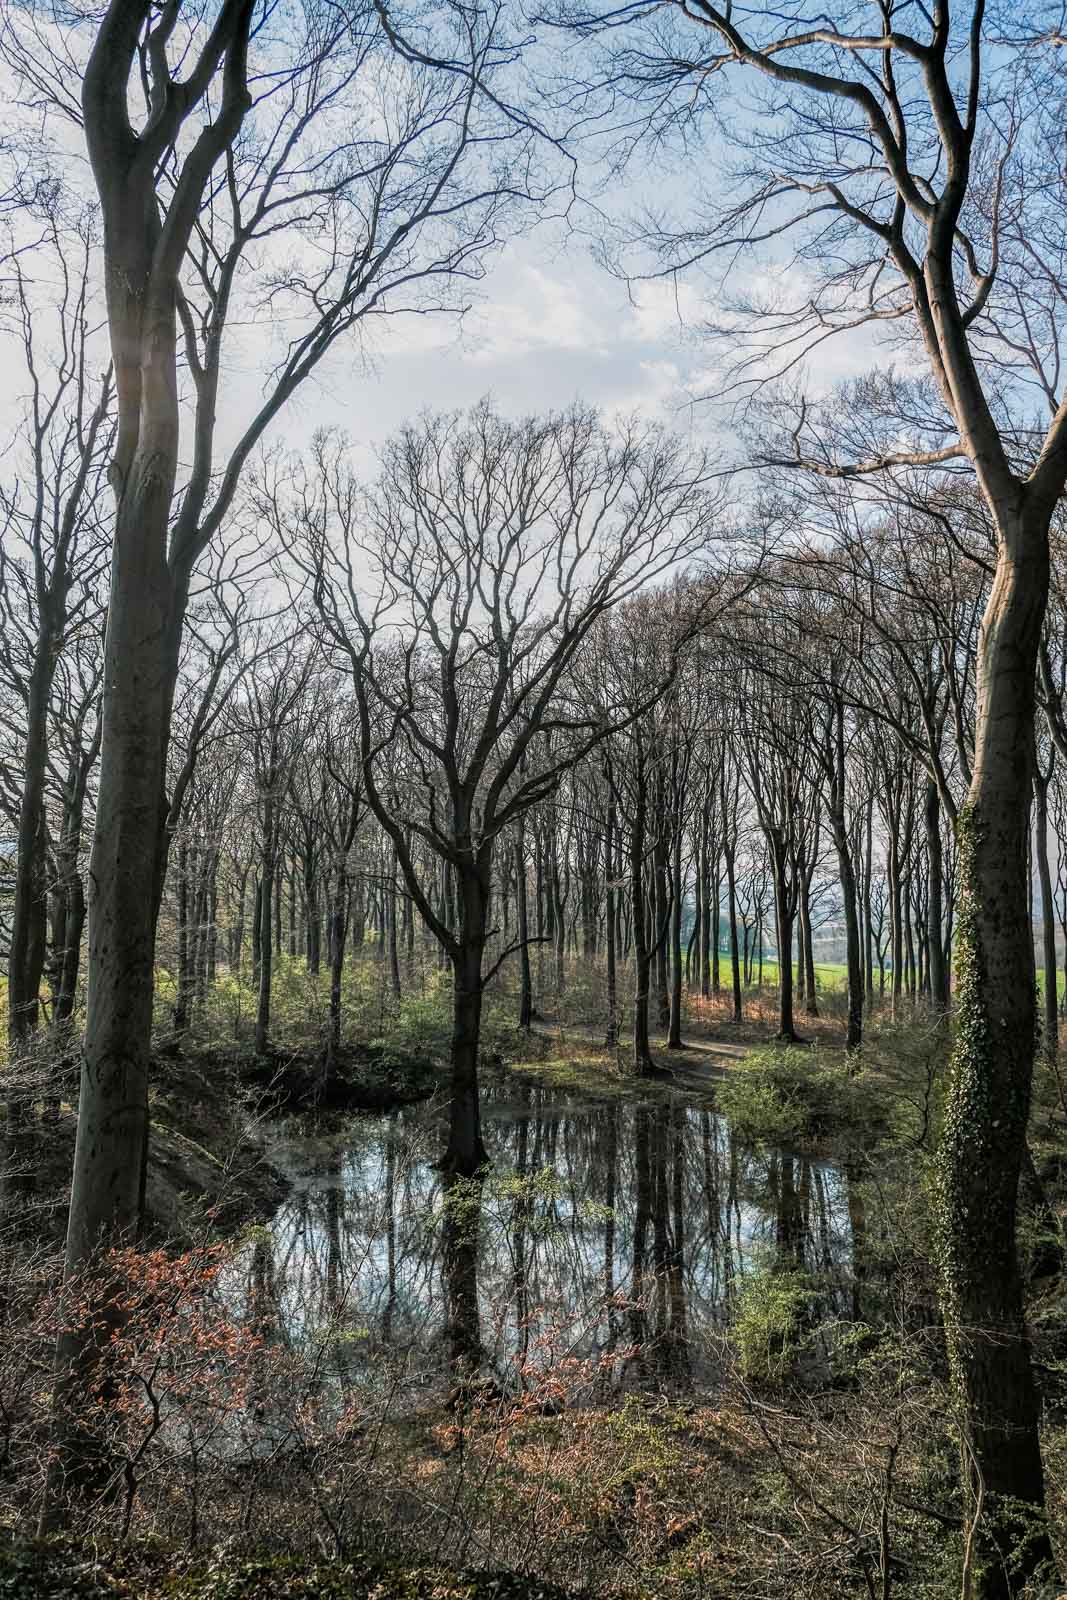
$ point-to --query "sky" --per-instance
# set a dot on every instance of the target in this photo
(547, 326)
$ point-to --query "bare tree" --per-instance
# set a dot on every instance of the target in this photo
(463, 590)
(52, 557)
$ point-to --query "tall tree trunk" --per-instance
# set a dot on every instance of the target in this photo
(988, 1105)
(935, 906)
(184, 982)
(811, 999)
(644, 1065)
(845, 872)
(522, 917)
(703, 909)
(212, 929)
(266, 919)
(674, 1036)
(611, 1038)
(895, 917)
(716, 890)
(800, 982)
(125, 875)
(661, 912)
(313, 913)
(392, 931)
(338, 930)
(26, 955)
(868, 935)
(853, 953)
(735, 954)
(1050, 1032)
(257, 932)
(784, 913)
(465, 1154)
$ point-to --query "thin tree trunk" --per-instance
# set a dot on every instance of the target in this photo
(184, 989)
(735, 955)
(393, 931)
(1050, 1035)
(26, 956)
(935, 908)
(644, 1065)
(784, 919)
(610, 922)
(674, 1036)
(811, 999)
(266, 919)
(338, 930)
(522, 917)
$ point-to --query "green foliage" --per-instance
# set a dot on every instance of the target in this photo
(420, 1026)
(769, 1321)
(63, 1570)
(644, 1442)
(583, 1072)
(789, 1097)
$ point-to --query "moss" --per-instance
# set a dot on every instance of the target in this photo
(979, 1115)
(597, 1075)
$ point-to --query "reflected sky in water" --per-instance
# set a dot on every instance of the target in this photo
(600, 1227)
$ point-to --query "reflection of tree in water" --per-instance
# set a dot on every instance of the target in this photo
(461, 1226)
(623, 1223)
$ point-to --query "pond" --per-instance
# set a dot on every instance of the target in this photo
(614, 1232)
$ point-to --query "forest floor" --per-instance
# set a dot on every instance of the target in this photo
(747, 1471)
(573, 1056)
(584, 1061)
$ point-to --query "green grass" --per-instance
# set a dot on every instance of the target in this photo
(834, 975)
(828, 974)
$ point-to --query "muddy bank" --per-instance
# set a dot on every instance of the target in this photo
(363, 1079)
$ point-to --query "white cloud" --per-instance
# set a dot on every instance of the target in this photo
(663, 311)
(540, 312)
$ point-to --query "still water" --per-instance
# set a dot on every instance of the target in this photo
(602, 1227)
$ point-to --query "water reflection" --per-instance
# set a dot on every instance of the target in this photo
(612, 1231)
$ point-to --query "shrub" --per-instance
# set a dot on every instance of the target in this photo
(769, 1321)
(786, 1097)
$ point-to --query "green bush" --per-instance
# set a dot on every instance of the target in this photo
(791, 1097)
(420, 1027)
(769, 1321)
